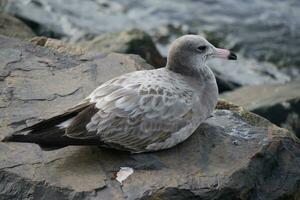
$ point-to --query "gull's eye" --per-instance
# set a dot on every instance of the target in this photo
(201, 49)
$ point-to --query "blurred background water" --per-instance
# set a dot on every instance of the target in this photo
(265, 30)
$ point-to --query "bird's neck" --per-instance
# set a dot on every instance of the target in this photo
(200, 72)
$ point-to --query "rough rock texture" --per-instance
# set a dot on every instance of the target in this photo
(132, 41)
(244, 72)
(56, 45)
(266, 30)
(278, 103)
(233, 155)
(13, 27)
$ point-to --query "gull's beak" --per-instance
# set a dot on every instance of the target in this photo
(224, 53)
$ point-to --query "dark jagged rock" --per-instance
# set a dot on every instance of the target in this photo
(233, 155)
(132, 41)
(13, 27)
(278, 103)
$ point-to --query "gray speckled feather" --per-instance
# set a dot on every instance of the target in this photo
(141, 109)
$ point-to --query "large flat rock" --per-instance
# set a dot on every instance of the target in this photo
(233, 155)
(34, 79)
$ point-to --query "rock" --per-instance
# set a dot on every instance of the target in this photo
(278, 103)
(245, 72)
(265, 30)
(164, 34)
(56, 45)
(133, 41)
(233, 155)
(229, 75)
(13, 27)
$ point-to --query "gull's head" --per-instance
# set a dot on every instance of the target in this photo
(190, 52)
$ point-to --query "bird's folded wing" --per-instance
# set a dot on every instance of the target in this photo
(132, 115)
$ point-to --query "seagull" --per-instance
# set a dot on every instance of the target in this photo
(141, 111)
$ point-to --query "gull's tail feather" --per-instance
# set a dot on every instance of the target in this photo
(49, 140)
(50, 134)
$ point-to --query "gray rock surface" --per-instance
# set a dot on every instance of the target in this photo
(233, 155)
(278, 103)
(265, 30)
(13, 27)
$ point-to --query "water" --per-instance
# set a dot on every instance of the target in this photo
(265, 30)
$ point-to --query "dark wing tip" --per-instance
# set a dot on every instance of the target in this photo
(17, 136)
(13, 138)
(7, 139)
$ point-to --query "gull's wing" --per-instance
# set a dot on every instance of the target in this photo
(136, 110)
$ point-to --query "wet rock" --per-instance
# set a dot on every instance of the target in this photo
(265, 30)
(278, 103)
(133, 41)
(13, 27)
(233, 155)
(245, 72)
